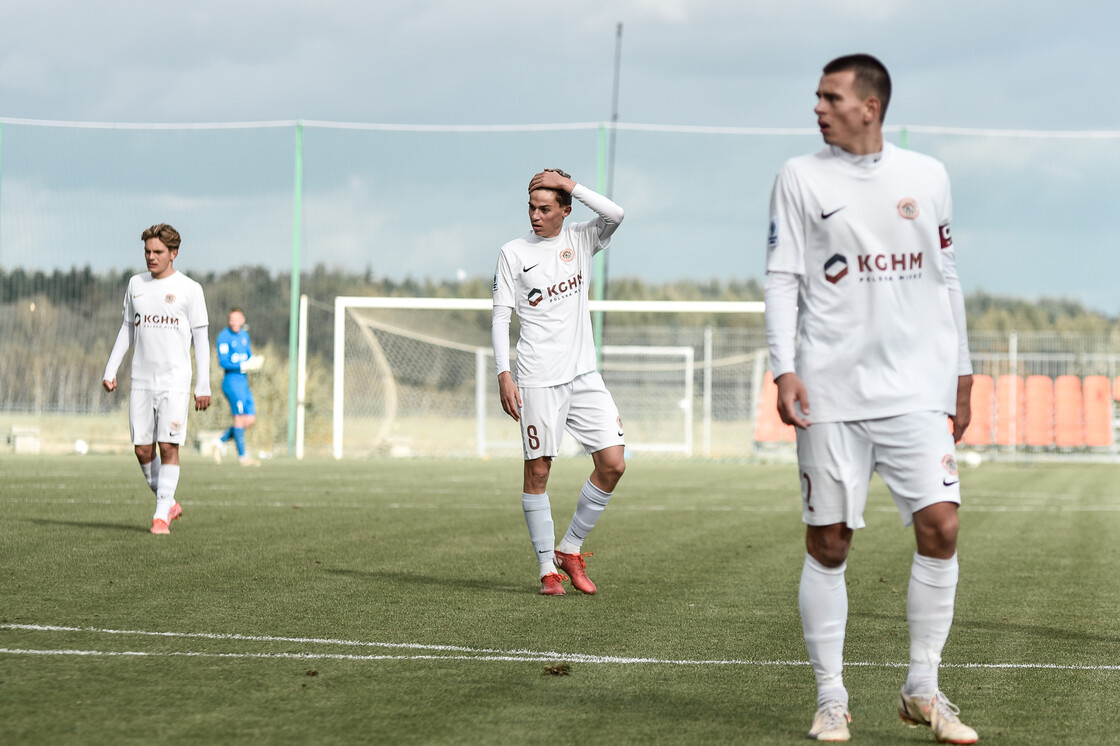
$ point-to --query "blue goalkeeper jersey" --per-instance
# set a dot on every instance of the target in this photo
(233, 349)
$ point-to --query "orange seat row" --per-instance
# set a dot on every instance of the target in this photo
(1062, 412)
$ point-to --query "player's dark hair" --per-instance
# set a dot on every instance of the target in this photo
(564, 198)
(872, 78)
(167, 235)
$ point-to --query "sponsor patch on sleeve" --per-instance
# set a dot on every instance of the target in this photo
(773, 240)
(946, 236)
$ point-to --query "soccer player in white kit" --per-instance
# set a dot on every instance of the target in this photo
(544, 276)
(866, 327)
(164, 311)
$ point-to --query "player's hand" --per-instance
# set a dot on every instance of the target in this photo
(552, 179)
(509, 394)
(109, 386)
(201, 403)
(964, 407)
(791, 392)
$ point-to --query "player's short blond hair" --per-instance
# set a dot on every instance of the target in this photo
(167, 235)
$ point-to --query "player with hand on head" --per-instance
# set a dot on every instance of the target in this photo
(164, 312)
(235, 355)
(868, 346)
(544, 277)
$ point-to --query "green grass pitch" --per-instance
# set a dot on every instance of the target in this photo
(396, 602)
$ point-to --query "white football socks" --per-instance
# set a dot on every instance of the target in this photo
(823, 598)
(538, 517)
(165, 490)
(151, 472)
(592, 502)
(929, 609)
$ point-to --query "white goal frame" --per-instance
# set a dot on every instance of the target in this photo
(344, 302)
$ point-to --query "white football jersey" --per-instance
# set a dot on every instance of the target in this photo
(546, 282)
(163, 313)
(869, 239)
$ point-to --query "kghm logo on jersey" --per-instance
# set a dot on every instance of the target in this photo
(535, 297)
(567, 254)
(836, 268)
(169, 298)
(908, 208)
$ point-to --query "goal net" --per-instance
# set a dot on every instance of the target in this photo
(415, 377)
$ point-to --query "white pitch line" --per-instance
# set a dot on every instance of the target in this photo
(458, 652)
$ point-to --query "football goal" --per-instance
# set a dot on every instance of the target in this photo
(415, 376)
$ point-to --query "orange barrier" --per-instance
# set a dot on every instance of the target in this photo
(1010, 395)
(768, 426)
(979, 432)
(1039, 411)
(1069, 421)
(1098, 411)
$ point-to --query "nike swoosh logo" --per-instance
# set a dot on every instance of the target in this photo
(947, 483)
(526, 269)
(544, 551)
(827, 215)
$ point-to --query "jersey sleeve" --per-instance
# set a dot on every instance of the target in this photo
(505, 290)
(785, 247)
(225, 354)
(609, 215)
(196, 308)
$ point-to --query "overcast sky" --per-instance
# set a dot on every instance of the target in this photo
(990, 64)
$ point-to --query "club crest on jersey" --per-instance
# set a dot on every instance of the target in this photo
(567, 255)
(169, 298)
(618, 420)
(949, 463)
(535, 297)
(908, 208)
(836, 268)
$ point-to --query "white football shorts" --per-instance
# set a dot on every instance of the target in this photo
(584, 407)
(913, 453)
(158, 416)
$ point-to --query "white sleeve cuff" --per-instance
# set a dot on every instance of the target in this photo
(201, 360)
(499, 337)
(781, 320)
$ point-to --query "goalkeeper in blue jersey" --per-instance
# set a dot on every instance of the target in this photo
(236, 357)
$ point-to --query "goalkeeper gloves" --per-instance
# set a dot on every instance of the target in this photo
(253, 363)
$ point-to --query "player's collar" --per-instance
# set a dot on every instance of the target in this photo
(869, 160)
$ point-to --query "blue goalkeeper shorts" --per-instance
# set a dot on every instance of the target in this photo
(236, 389)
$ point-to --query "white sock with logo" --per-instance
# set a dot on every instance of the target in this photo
(592, 502)
(823, 598)
(929, 609)
(538, 517)
(165, 491)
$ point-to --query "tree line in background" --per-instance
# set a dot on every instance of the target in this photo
(57, 328)
(266, 297)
